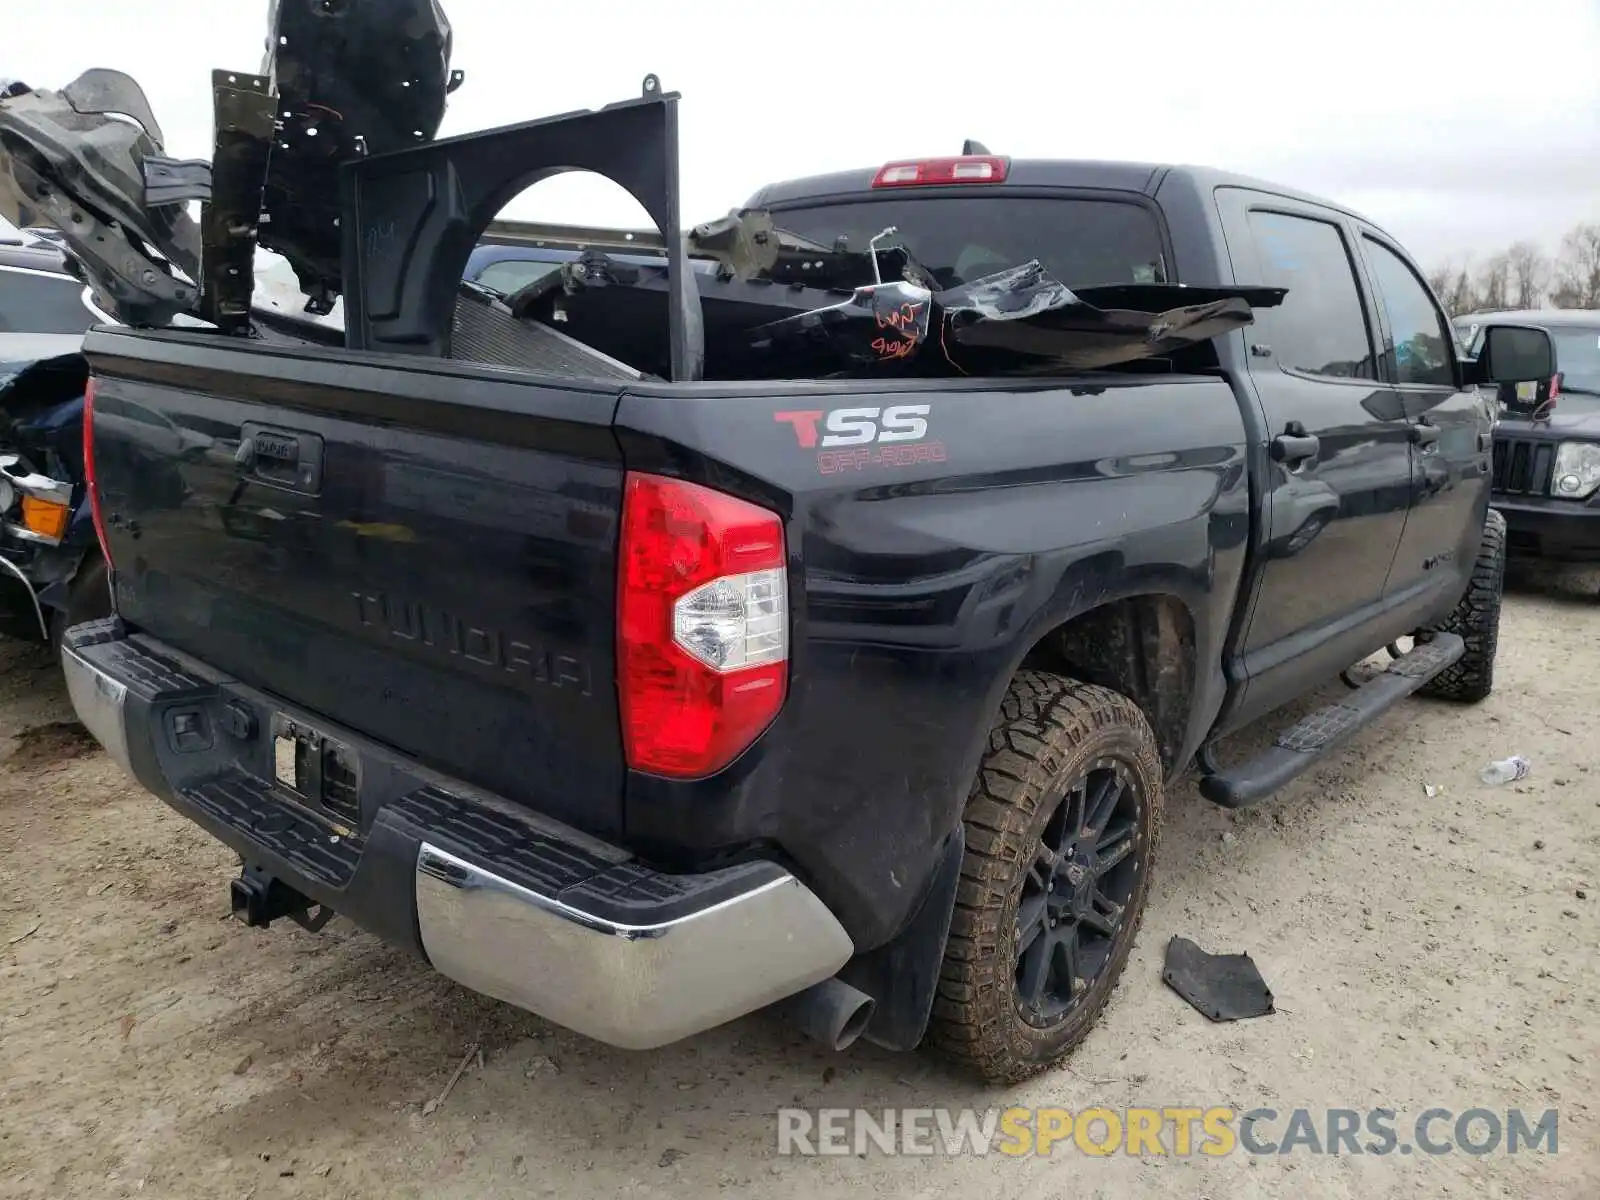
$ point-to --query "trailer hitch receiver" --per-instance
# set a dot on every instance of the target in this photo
(258, 899)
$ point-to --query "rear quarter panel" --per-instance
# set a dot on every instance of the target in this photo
(922, 572)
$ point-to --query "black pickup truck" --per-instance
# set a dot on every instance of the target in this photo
(645, 703)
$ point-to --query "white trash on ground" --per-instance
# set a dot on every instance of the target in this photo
(1507, 770)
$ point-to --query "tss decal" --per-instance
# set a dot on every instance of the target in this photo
(855, 439)
(851, 439)
(858, 426)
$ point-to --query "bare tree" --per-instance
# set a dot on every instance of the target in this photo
(1578, 268)
(1494, 283)
(1522, 276)
(1460, 295)
(1440, 279)
(1530, 274)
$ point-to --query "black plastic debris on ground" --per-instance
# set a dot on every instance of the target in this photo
(1224, 987)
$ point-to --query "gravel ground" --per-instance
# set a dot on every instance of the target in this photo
(1423, 950)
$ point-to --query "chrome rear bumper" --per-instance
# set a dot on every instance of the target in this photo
(99, 701)
(589, 938)
(635, 986)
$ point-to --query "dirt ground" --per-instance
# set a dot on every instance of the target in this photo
(1423, 951)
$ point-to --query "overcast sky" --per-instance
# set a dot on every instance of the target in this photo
(1458, 126)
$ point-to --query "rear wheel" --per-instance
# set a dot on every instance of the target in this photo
(1476, 619)
(1061, 830)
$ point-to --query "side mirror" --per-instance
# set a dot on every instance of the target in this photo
(1513, 354)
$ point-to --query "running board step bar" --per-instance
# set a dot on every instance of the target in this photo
(1298, 747)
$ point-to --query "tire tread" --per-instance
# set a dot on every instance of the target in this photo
(1476, 620)
(1043, 720)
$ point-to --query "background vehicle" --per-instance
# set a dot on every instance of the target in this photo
(50, 566)
(858, 694)
(1547, 447)
(513, 254)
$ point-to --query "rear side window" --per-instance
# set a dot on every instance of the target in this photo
(1083, 243)
(509, 276)
(1421, 349)
(34, 303)
(1321, 326)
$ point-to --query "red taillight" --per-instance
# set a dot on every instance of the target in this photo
(90, 482)
(928, 172)
(702, 625)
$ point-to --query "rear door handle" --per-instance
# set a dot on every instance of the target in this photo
(1424, 434)
(1292, 448)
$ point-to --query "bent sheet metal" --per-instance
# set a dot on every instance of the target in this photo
(67, 162)
(1018, 321)
(341, 81)
(352, 80)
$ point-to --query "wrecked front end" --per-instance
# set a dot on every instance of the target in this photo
(45, 531)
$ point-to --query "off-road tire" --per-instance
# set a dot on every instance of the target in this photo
(1476, 620)
(1049, 732)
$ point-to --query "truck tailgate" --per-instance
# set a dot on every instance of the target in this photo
(437, 574)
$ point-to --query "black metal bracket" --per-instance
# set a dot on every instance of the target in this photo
(175, 180)
(412, 217)
(245, 109)
(100, 91)
(313, 924)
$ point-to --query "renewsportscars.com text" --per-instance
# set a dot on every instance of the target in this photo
(1172, 1131)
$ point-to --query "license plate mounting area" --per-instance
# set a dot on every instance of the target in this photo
(320, 772)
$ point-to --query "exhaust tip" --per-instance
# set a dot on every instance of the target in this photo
(855, 1025)
(831, 1012)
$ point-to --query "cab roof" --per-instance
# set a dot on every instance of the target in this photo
(1099, 174)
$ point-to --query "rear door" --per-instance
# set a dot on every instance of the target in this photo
(1451, 428)
(1337, 479)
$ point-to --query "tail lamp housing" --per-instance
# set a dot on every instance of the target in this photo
(702, 625)
(90, 480)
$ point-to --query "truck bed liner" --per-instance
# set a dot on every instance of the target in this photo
(485, 332)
